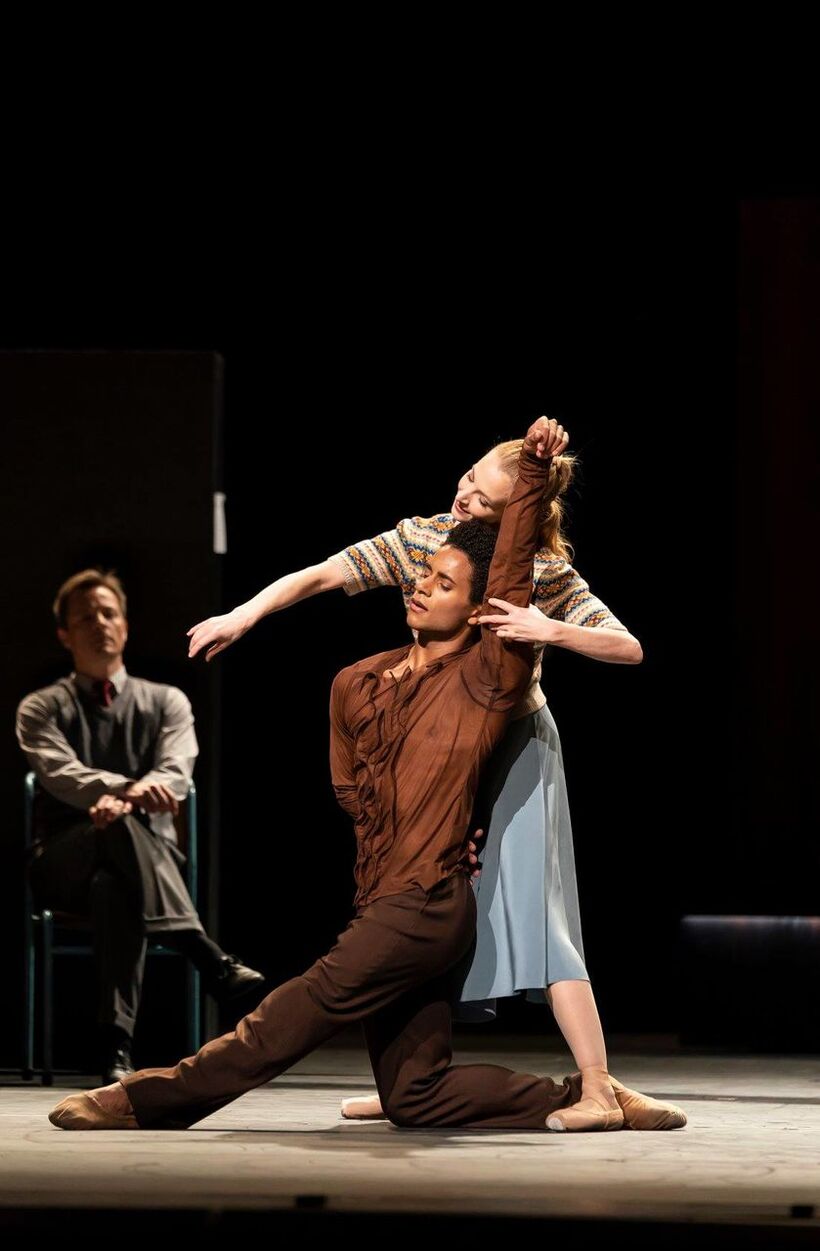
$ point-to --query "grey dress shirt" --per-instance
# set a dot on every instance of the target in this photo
(81, 750)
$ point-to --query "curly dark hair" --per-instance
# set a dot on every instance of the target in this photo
(476, 539)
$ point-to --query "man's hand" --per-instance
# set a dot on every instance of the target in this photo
(546, 438)
(472, 857)
(151, 797)
(109, 808)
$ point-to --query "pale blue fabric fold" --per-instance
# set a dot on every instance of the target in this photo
(529, 923)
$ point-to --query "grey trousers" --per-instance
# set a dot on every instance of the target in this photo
(127, 880)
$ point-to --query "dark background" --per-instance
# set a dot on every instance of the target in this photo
(372, 350)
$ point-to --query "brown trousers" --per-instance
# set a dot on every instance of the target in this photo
(394, 968)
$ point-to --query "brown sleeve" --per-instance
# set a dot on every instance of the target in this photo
(498, 671)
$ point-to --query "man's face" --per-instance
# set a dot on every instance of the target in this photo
(96, 630)
(441, 601)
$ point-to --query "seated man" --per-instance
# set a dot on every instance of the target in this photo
(114, 756)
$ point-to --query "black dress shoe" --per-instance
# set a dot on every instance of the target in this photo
(118, 1064)
(233, 979)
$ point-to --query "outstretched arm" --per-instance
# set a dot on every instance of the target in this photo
(387, 559)
(217, 633)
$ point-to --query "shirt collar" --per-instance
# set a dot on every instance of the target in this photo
(85, 683)
(391, 659)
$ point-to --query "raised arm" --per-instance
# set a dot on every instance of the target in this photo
(499, 669)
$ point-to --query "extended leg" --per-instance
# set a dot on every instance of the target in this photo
(392, 945)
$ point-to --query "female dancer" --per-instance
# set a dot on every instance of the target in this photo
(528, 920)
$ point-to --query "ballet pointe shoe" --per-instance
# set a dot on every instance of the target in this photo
(84, 1111)
(592, 1111)
(362, 1108)
(586, 1115)
(644, 1112)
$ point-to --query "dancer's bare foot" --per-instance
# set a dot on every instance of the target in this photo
(598, 1108)
(362, 1108)
(106, 1107)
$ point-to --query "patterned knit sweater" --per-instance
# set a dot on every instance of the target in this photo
(395, 558)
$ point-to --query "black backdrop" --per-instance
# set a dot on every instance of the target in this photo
(365, 364)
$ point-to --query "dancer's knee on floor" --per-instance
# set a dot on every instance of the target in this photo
(401, 1111)
(407, 1104)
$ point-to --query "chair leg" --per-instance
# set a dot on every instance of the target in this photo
(193, 1000)
(48, 1005)
(197, 1011)
(28, 1000)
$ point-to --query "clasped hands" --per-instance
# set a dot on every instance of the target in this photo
(150, 796)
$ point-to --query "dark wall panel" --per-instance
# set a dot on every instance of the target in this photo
(112, 458)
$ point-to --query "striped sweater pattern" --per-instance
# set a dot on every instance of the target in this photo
(396, 558)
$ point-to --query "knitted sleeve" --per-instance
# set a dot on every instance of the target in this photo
(561, 592)
(395, 557)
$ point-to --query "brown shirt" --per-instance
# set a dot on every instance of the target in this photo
(406, 753)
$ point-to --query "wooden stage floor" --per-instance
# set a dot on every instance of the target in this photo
(748, 1159)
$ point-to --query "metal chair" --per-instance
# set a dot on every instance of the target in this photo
(55, 928)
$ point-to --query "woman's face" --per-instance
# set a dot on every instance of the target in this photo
(482, 492)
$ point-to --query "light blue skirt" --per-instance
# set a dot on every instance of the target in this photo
(528, 929)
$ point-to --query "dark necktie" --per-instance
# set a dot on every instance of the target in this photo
(104, 691)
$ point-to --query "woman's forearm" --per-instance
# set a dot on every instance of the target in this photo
(599, 642)
(291, 588)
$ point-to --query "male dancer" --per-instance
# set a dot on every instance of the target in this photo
(410, 731)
